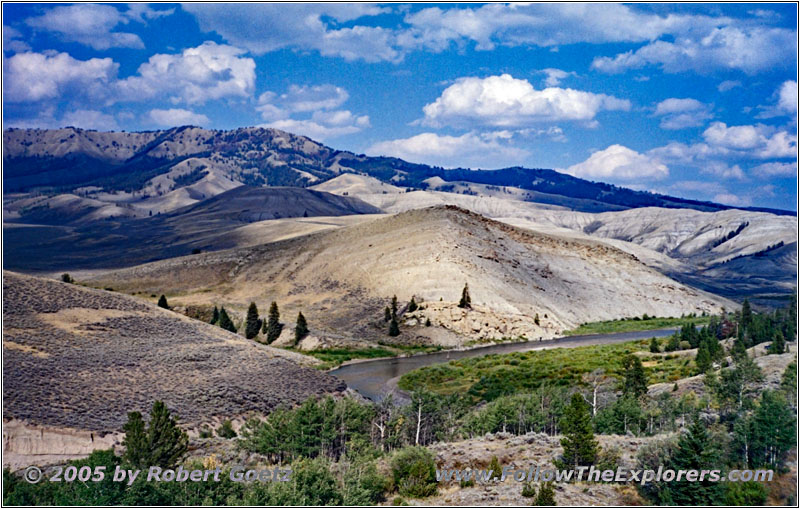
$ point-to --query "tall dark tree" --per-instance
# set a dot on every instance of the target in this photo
(300, 328)
(696, 451)
(162, 302)
(214, 316)
(387, 314)
(252, 323)
(394, 306)
(394, 329)
(580, 446)
(273, 327)
(747, 315)
(774, 431)
(654, 348)
(412, 305)
(225, 321)
(778, 344)
(703, 358)
(635, 380)
(466, 300)
(546, 495)
(162, 443)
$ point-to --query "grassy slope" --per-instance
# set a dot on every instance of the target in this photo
(631, 325)
(492, 375)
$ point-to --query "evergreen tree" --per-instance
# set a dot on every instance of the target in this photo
(162, 302)
(778, 345)
(789, 382)
(252, 323)
(747, 316)
(394, 306)
(774, 431)
(300, 329)
(673, 343)
(412, 305)
(654, 347)
(546, 495)
(466, 300)
(67, 278)
(536, 319)
(580, 446)
(162, 443)
(214, 316)
(387, 314)
(739, 349)
(696, 451)
(494, 466)
(736, 384)
(703, 358)
(394, 329)
(273, 326)
(225, 321)
(635, 380)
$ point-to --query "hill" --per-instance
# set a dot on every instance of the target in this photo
(342, 279)
(127, 241)
(159, 171)
(77, 360)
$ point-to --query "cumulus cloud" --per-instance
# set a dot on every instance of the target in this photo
(262, 28)
(748, 49)
(775, 169)
(758, 140)
(313, 129)
(787, 97)
(682, 113)
(728, 85)
(12, 40)
(619, 163)
(93, 24)
(503, 101)
(555, 76)
(301, 99)
(194, 76)
(90, 119)
(470, 150)
(31, 77)
(176, 117)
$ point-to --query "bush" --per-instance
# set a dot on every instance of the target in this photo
(529, 490)
(226, 430)
(414, 472)
(161, 443)
(66, 278)
(494, 466)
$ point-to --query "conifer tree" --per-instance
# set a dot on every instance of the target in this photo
(394, 306)
(214, 316)
(635, 380)
(654, 347)
(162, 302)
(300, 329)
(747, 315)
(466, 300)
(546, 495)
(778, 345)
(162, 443)
(696, 451)
(412, 305)
(580, 446)
(387, 314)
(394, 329)
(273, 327)
(703, 358)
(225, 321)
(252, 323)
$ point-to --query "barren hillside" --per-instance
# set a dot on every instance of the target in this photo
(343, 277)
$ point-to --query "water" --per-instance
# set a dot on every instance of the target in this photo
(374, 379)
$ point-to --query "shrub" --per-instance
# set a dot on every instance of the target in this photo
(546, 495)
(162, 302)
(494, 466)
(529, 490)
(160, 443)
(66, 278)
(414, 472)
(226, 430)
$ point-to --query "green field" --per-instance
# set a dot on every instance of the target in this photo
(634, 324)
(491, 376)
(333, 357)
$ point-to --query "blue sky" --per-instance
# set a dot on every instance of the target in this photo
(692, 100)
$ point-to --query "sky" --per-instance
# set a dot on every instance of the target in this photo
(692, 100)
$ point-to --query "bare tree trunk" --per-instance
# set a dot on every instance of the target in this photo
(419, 422)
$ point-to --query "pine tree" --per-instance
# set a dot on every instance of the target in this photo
(774, 431)
(394, 329)
(696, 450)
(67, 278)
(225, 321)
(387, 314)
(214, 316)
(162, 443)
(300, 329)
(394, 306)
(466, 300)
(635, 380)
(739, 350)
(778, 345)
(412, 305)
(427, 322)
(494, 466)
(162, 302)
(654, 347)
(703, 358)
(273, 325)
(536, 319)
(546, 495)
(580, 446)
(252, 324)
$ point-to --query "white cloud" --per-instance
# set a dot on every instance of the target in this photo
(92, 24)
(90, 119)
(748, 49)
(787, 97)
(728, 85)
(31, 77)
(177, 117)
(194, 76)
(262, 28)
(770, 170)
(12, 42)
(722, 170)
(314, 130)
(555, 76)
(313, 98)
(682, 113)
(758, 140)
(736, 200)
(619, 163)
(470, 150)
(503, 101)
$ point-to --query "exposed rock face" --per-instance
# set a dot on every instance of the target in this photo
(81, 359)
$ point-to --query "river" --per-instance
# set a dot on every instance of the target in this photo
(375, 378)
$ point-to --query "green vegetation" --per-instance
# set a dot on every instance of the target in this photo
(252, 323)
(333, 357)
(635, 324)
(414, 472)
(226, 430)
(273, 327)
(466, 300)
(66, 278)
(225, 321)
(495, 375)
(160, 443)
(162, 302)
(300, 328)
